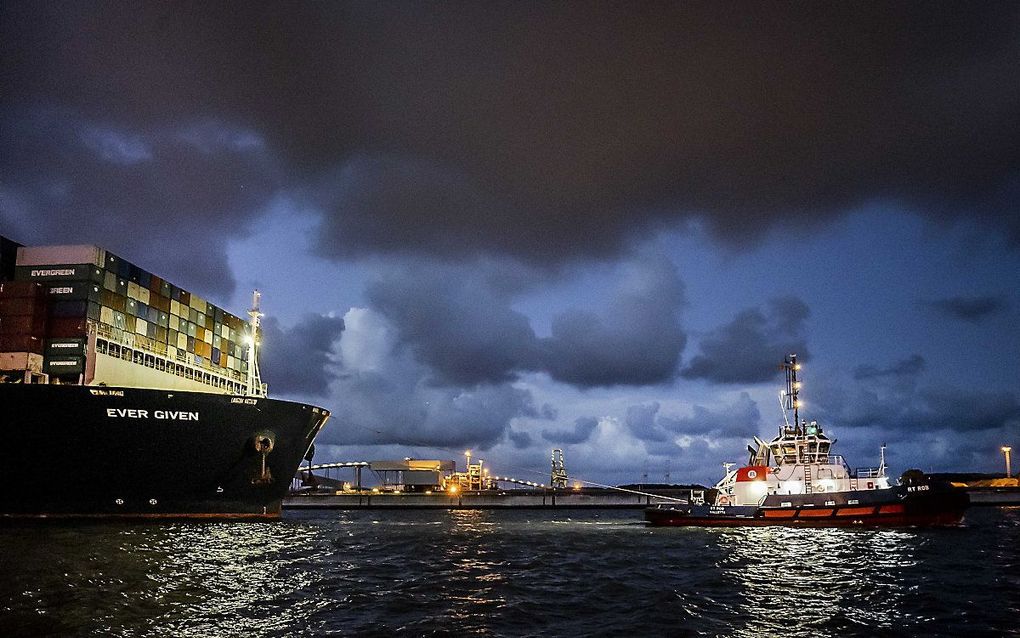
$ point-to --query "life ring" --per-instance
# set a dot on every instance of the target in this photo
(723, 500)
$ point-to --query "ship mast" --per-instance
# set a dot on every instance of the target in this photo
(791, 401)
(255, 386)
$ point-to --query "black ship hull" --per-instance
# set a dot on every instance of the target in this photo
(902, 506)
(77, 451)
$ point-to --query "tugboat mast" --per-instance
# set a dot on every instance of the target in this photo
(791, 402)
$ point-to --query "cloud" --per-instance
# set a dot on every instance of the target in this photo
(910, 366)
(636, 340)
(895, 401)
(549, 132)
(384, 395)
(583, 428)
(970, 309)
(749, 348)
(164, 197)
(519, 438)
(301, 359)
(459, 321)
(739, 419)
(641, 421)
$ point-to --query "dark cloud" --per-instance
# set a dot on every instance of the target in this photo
(971, 309)
(459, 321)
(384, 395)
(583, 428)
(546, 131)
(301, 359)
(642, 423)
(896, 403)
(910, 366)
(519, 438)
(549, 412)
(966, 410)
(168, 198)
(750, 348)
(739, 419)
(636, 340)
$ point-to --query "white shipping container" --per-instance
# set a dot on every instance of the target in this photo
(141, 326)
(134, 291)
(208, 336)
(106, 315)
(175, 307)
(231, 362)
(143, 295)
(198, 303)
(174, 322)
(21, 361)
(54, 255)
(182, 341)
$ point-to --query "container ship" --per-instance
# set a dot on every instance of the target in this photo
(794, 480)
(124, 395)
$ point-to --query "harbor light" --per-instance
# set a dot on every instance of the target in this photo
(1005, 452)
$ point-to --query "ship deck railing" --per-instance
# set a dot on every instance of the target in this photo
(218, 377)
(867, 472)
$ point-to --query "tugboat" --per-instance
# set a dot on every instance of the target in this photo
(793, 480)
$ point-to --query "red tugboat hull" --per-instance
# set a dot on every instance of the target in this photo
(937, 506)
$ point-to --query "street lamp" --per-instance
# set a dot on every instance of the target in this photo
(1005, 451)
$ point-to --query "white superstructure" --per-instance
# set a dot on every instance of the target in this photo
(796, 461)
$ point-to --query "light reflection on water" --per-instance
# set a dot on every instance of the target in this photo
(818, 572)
(507, 573)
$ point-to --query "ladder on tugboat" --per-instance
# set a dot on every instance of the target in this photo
(807, 479)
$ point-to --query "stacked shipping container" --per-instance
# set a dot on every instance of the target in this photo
(128, 305)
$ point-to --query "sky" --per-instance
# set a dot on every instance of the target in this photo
(511, 227)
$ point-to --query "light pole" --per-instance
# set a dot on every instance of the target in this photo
(1005, 451)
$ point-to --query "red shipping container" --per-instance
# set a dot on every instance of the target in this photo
(66, 327)
(21, 343)
(155, 283)
(160, 302)
(23, 325)
(22, 306)
(18, 289)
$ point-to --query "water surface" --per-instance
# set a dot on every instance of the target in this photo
(507, 573)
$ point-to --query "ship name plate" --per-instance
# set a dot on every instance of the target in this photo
(163, 415)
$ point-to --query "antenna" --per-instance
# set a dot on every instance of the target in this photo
(255, 386)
